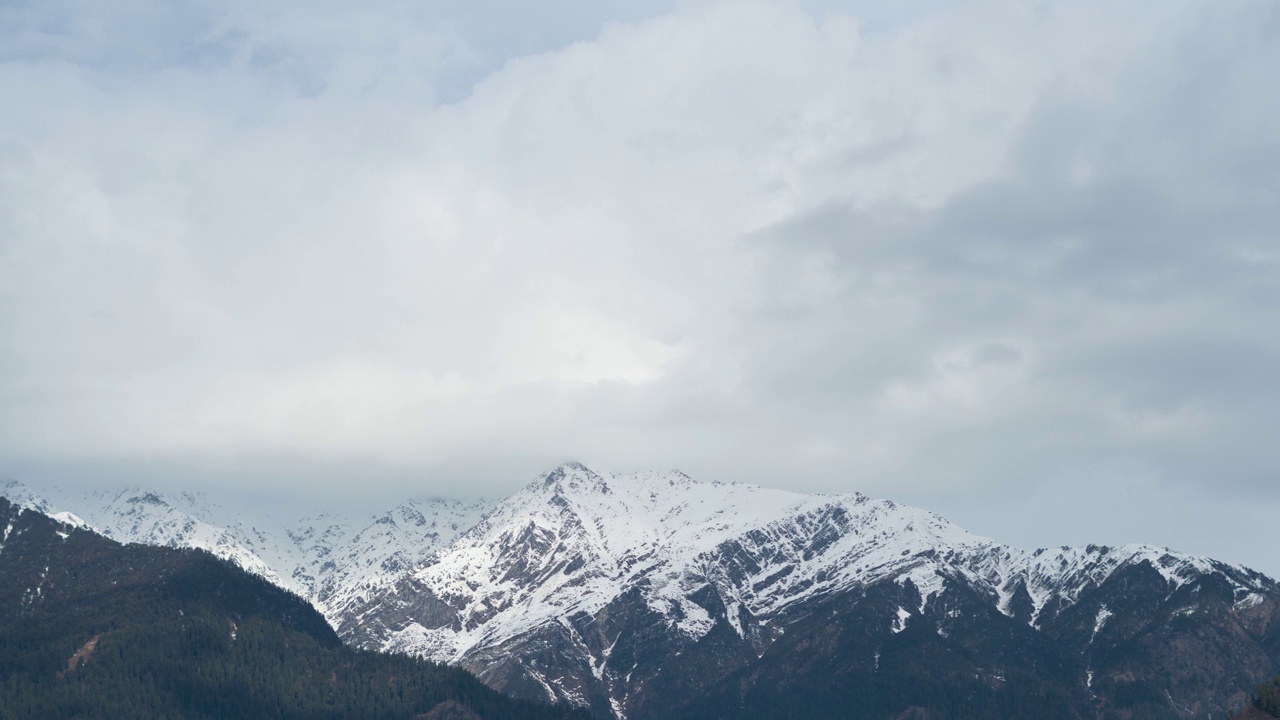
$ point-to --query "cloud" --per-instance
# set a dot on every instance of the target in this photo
(990, 247)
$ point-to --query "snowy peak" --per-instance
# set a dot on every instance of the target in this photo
(571, 476)
(575, 540)
(560, 561)
(576, 478)
(22, 496)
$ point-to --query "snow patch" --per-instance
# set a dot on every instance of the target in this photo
(1104, 613)
(927, 581)
(899, 623)
(1250, 600)
(67, 518)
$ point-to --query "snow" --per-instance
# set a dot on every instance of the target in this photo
(1250, 600)
(1099, 621)
(71, 519)
(1004, 596)
(900, 623)
(927, 581)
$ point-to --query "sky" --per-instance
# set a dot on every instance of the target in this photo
(1015, 262)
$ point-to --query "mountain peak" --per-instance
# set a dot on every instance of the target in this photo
(22, 496)
(572, 476)
(147, 498)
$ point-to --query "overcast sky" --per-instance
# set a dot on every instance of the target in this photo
(1016, 262)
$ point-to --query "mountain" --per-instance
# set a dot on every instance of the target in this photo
(653, 595)
(325, 557)
(656, 596)
(90, 628)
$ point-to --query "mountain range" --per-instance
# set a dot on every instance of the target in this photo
(652, 595)
(91, 628)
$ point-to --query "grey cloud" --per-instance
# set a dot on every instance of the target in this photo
(934, 252)
(1115, 254)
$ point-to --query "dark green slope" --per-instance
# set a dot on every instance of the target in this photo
(90, 628)
(1264, 704)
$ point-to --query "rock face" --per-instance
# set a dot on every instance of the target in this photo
(656, 596)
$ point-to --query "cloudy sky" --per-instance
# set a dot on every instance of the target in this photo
(1017, 262)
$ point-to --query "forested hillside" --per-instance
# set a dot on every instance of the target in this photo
(1263, 704)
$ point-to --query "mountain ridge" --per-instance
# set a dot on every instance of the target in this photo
(610, 590)
(321, 555)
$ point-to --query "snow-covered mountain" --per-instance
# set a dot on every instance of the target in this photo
(93, 629)
(575, 540)
(324, 557)
(646, 594)
(338, 566)
(600, 589)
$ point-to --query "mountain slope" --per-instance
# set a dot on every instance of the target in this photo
(93, 629)
(636, 595)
